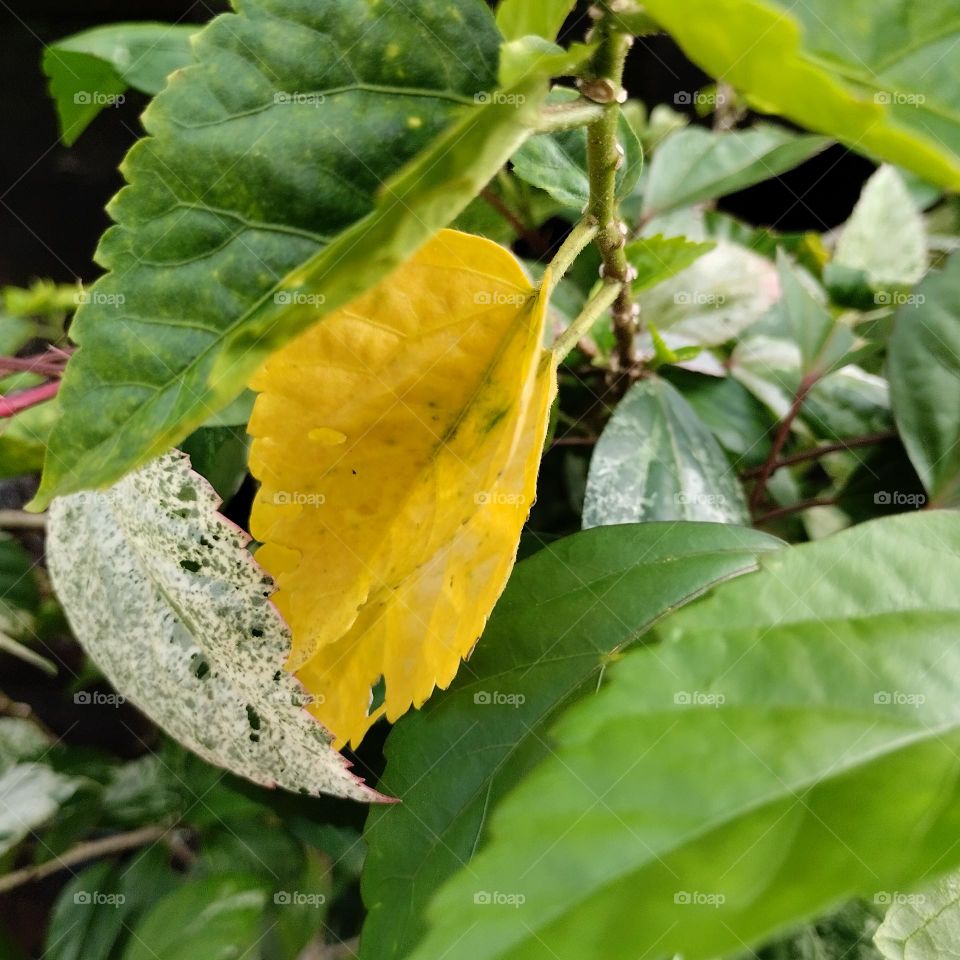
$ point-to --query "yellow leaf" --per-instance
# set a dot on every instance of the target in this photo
(397, 444)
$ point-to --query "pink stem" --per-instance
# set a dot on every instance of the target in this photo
(12, 405)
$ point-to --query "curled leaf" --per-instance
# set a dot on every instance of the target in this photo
(162, 592)
(397, 446)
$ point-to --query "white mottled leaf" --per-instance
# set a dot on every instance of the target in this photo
(924, 925)
(30, 794)
(163, 594)
(716, 298)
(656, 460)
(885, 237)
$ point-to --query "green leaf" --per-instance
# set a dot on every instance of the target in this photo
(737, 419)
(694, 164)
(92, 70)
(565, 614)
(95, 911)
(161, 591)
(879, 77)
(518, 18)
(216, 919)
(885, 238)
(845, 403)
(924, 370)
(18, 586)
(23, 439)
(707, 797)
(825, 341)
(656, 460)
(557, 162)
(924, 925)
(214, 270)
(659, 258)
(219, 455)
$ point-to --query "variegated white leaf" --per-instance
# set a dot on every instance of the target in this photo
(163, 594)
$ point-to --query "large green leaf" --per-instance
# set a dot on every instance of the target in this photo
(708, 797)
(565, 614)
(693, 164)
(880, 75)
(924, 370)
(222, 248)
(91, 70)
(656, 460)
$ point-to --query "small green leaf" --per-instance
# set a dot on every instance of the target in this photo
(656, 460)
(92, 70)
(659, 258)
(694, 164)
(557, 162)
(518, 18)
(708, 798)
(924, 371)
(880, 78)
(565, 614)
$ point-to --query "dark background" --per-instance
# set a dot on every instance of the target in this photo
(52, 198)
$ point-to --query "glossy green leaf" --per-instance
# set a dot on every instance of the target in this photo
(92, 70)
(564, 615)
(215, 919)
(880, 75)
(923, 924)
(695, 164)
(557, 162)
(518, 18)
(708, 798)
(222, 250)
(656, 460)
(884, 239)
(924, 371)
(659, 258)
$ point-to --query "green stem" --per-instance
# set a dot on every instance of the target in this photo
(566, 116)
(591, 313)
(604, 158)
(571, 248)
